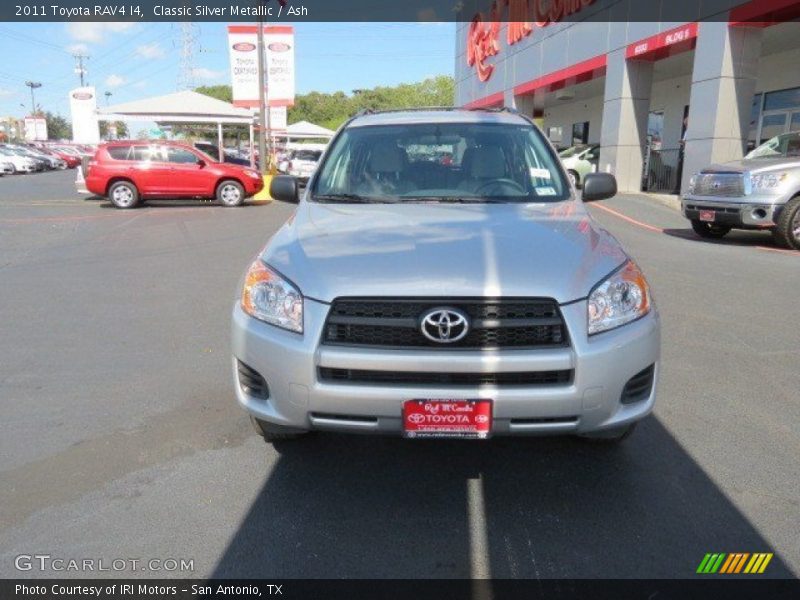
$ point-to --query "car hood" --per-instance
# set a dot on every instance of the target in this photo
(438, 250)
(753, 165)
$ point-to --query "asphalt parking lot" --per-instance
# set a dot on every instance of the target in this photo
(120, 436)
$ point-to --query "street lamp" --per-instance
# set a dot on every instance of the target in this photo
(33, 85)
(107, 95)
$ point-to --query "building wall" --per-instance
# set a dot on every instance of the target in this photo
(565, 114)
(779, 71)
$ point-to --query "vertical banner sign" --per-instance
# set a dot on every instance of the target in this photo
(83, 106)
(278, 62)
(279, 50)
(35, 129)
(242, 48)
(277, 118)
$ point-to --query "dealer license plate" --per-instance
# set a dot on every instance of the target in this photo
(447, 418)
(708, 216)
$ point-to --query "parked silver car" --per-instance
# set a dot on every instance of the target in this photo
(464, 300)
(762, 191)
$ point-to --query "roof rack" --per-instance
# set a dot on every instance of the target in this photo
(372, 111)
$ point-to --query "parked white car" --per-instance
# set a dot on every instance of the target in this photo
(21, 164)
(303, 163)
(579, 161)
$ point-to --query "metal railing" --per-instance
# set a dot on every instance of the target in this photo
(662, 170)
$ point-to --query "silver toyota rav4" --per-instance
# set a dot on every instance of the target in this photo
(441, 278)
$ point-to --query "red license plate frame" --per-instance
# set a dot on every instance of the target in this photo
(708, 216)
(449, 418)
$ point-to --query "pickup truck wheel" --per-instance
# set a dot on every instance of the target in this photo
(123, 194)
(610, 436)
(709, 231)
(230, 193)
(274, 433)
(787, 229)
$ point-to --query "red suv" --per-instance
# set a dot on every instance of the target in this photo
(126, 172)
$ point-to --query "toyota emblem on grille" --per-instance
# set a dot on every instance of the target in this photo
(444, 325)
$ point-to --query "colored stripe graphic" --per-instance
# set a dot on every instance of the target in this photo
(734, 563)
(711, 563)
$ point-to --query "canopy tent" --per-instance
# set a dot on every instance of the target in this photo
(181, 107)
(304, 129)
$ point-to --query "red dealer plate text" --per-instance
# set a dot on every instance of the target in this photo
(447, 418)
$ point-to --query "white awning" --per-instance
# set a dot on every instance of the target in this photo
(304, 129)
(180, 107)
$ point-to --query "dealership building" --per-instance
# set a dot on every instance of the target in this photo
(661, 99)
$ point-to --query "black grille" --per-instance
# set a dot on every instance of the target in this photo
(251, 382)
(425, 378)
(639, 386)
(719, 209)
(518, 323)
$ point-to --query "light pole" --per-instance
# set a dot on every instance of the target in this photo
(33, 85)
(107, 95)
(262, 100)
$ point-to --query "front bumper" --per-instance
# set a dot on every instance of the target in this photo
(289, 363)
(746, 213)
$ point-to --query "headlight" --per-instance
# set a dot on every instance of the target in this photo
(768, 182)
(692, 183)
(269, 297)
(620, 299)
(253, 174)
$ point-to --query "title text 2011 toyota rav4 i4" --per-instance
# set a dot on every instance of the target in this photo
(464, 300)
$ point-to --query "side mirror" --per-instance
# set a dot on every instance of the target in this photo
(599, 186)
(201, 163)
(284, 187)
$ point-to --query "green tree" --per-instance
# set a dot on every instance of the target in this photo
(121, 126)
(220, 92)
(332, 109)
(58, 128)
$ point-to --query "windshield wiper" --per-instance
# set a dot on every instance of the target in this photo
(351, 198)
(455, 200)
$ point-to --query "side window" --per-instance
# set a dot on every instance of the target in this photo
(146, 153)
(119, 152)
(180, 156)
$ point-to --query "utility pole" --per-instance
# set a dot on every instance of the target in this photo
(33, 85)
(79, 69)
(262, 100)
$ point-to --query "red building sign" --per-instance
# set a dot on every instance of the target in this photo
(483, 37)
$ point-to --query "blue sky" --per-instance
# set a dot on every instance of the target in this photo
(137, 60)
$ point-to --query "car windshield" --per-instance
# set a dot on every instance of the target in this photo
(206, 156)
(781, 146)
(569, 152)
(441, 162)
(312, 155)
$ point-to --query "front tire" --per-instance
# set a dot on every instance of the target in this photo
(787, 229)
(123, 194)
(709, 231)
(574, 178)
(230, 193)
